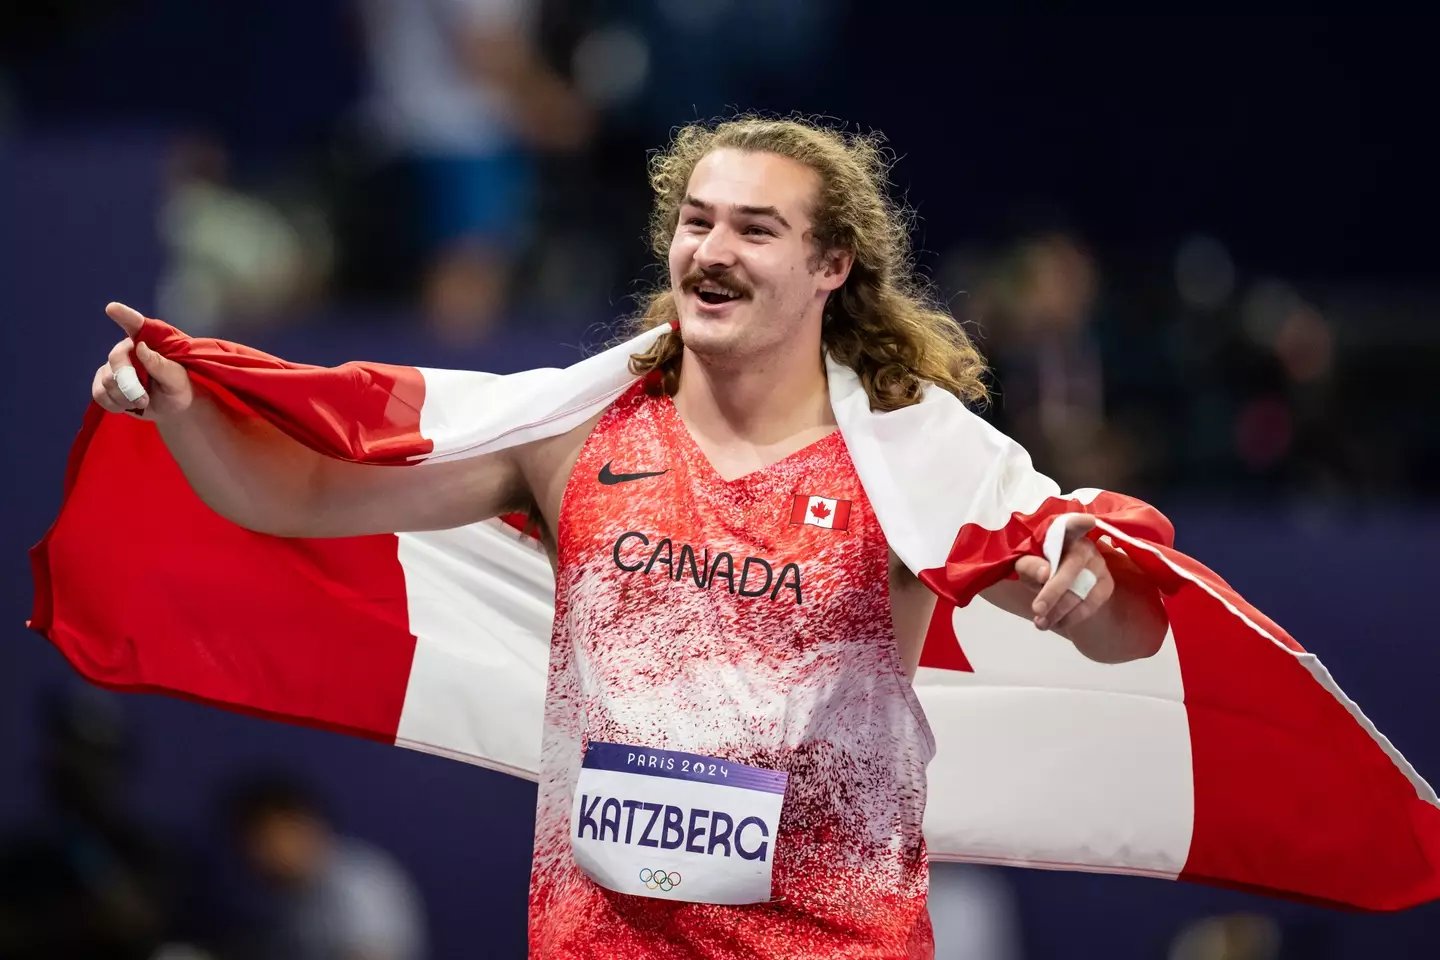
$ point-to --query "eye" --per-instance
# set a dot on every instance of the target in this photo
(758, 231)
(696, 222)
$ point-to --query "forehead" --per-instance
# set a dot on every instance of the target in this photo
(742, 178)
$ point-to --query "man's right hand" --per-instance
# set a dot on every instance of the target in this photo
(169, 392)
(246, 469)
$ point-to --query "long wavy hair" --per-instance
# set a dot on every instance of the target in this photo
(883, 322)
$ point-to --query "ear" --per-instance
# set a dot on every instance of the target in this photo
(835, 269)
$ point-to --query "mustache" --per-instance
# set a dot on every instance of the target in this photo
(727, 280)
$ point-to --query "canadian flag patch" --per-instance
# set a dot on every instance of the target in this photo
(820, 512)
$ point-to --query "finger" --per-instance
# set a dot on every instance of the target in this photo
(1075, 559)
(120, 354)
(1077, 556)
(1032, 571)
(116, 397)
(1102, 591)
(129, 319)
(167, 373)
(1078, 525)
(1056, 615)
(122, 368)
(100, 391)
(1065, 611)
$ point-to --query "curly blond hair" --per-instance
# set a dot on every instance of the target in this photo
(883, 322)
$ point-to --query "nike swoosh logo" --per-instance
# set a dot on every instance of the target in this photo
(606, 477)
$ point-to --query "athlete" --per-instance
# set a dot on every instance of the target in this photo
(731, 624)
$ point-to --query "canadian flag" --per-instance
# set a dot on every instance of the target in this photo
(820, 512)
(1231, 756)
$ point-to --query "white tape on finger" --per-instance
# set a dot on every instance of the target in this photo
(1084, 582)
(129, 384)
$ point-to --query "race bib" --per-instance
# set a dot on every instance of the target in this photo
(676, 826)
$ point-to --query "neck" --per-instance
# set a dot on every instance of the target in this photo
(761, 401)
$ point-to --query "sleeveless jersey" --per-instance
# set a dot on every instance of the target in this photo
(745, 621)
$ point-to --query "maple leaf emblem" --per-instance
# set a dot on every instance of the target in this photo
(820, 511)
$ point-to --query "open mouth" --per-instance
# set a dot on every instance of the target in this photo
(715, 293)
(714, 297)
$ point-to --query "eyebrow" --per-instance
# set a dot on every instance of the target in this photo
(744, 208)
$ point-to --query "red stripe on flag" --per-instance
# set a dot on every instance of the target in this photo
(1291, 792)
(941, 648)
(842, 515)
(364, 412)
(1293, 796)
(981, 557)
(798, 506)
(312, 631)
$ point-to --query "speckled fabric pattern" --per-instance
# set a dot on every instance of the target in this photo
(693, 614)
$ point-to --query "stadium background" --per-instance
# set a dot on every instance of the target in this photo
(1200, 252)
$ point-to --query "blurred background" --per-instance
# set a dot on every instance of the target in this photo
(1200, 253)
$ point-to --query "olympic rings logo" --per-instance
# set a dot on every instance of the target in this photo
(660, 879)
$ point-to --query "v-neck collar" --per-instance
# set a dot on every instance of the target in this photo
(698, 455)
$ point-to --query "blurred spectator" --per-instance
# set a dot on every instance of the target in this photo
(461, 103)
(974, 914)
(237, 258)
(90, 881)
(324, 896)
(646, 66)
(1236, 936)
(1035, 307)
(1296, 431)
(1266, 403)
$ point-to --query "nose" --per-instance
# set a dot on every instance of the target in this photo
(717, 250)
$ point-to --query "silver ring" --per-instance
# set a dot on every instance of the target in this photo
(1084, 582)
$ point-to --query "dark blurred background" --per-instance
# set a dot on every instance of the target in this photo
(1199, 252)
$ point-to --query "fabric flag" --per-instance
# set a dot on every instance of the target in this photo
(820, 512)
(1230, 757)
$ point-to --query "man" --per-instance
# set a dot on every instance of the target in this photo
(781, 248)
(463, 102)
(326, 896)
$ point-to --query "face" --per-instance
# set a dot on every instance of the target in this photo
(743, 262)
(286, 849)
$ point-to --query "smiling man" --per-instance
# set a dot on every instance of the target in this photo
(796, 661)
(734, 759)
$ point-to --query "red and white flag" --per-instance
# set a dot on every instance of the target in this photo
(820, 512)
(1229, 757)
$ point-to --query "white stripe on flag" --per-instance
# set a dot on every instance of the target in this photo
(480, 603)
(1036, 714)
(823, 517)
(464, 415)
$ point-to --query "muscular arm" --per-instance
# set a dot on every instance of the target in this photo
(254, 475)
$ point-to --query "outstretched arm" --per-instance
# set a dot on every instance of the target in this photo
(254, 475)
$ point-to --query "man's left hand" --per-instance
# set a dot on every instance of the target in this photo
(1056, 606)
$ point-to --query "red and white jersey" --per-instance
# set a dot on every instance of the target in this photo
(704, 617)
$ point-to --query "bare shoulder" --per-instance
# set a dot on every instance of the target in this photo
(545, 467)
